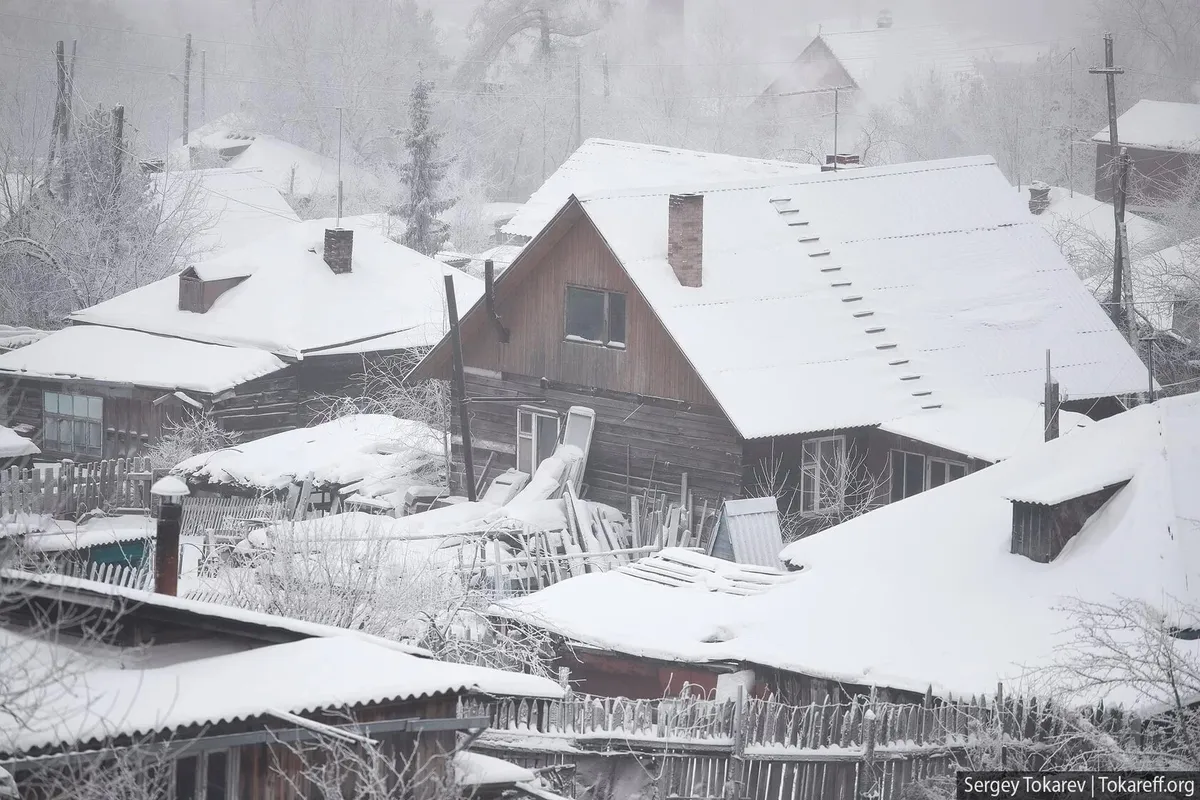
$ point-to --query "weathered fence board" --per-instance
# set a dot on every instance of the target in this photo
(73, 489)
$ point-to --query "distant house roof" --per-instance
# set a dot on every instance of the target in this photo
(232, 207)
(111, 694)
(999, 616)
(115, 355)
(944, 284)
(878, 61)
(291, 303)
(14, 445)
(1158, 125)
(14, 336)
(600, 164)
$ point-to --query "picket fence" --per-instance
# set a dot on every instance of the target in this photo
(760, 749)
(122, 575)
(72, 489)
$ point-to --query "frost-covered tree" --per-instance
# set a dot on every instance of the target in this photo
(422, 176)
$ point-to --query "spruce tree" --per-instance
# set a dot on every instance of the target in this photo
(422, 176)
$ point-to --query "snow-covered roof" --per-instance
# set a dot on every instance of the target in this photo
(476, 769)
(988, 428)
(59, 536)
(115, 355)
(600, 164)
(292, 302)
(14, 445)
(232, 207)
(305, 676)
(897, 286)
(941, 557)
(14, 336)
(371, 453)
(1158, 125)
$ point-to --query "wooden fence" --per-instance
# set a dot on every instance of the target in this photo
(116, 574)
(764, 750)
(227, 516)
(72, 489)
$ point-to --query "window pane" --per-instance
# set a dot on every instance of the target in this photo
(937, 473)
(547, 437)
(81, 405)
(95, 408)
(914, 474)
(525, 454)
(616, 318)
(524, 422)
(185, 779)
(955, 471)
(50, 402)
(808, 490)
(585, 314)
(64, 434)
(897, 462)
(81, 435)
(215, 785)
(94, 434)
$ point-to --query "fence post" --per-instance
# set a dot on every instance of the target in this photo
(735, 776)
(866, 770)
(1002, 755)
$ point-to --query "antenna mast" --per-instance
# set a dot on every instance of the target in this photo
(339, 210)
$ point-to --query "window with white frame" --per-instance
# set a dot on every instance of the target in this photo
(823, 474)
(594, 316)
(913, 473)
(73, 423)
(206, 776)
(537, 437)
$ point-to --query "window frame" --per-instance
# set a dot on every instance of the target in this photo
(948, 463)
(607, 340)
(232, 774)
(92, 424)
(534, 414)
(926, 472)
(811, 471)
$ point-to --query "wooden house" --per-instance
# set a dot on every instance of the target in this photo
(1163, 142)
(220, 701)
(259, 336)
(841, 339)
(979, 581)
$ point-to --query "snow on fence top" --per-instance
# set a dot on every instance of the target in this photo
(600, 165)
(293, 304)
(1158, 125)
(857, 297)
(383, 452)
(297, 677)
(95, 352)
(926, 590)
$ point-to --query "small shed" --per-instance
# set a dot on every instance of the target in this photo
(749, 533)
(15, 449)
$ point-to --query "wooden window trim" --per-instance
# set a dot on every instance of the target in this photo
(945, 462)
(816, 476)
(607, 343)
(232, 774)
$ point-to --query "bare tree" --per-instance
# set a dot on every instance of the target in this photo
(197, 432)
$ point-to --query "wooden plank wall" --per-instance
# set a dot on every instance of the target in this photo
(636, 445)
(260, 407)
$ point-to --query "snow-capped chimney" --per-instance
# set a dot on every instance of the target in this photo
(339, 249)
(885, 19)
(685, 238)
(1039, 197)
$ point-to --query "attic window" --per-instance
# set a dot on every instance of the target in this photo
(1041, 531)
(595, 317)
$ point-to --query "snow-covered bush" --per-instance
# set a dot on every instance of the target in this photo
(196, 433)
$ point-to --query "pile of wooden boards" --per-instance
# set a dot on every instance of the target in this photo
(660, 520)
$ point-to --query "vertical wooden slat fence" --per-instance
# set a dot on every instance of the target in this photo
(73, 489)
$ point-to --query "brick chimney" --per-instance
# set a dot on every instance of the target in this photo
(685, 238)
(339, 249)
(1039, 197)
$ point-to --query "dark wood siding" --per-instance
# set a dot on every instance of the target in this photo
(1040, 532)
(260, 407)
(638, 444)
(1155, 175)
(321, 379)
(534, 313)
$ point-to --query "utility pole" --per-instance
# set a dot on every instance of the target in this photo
(1151, 395)
(460, 390)
(203, 86)
(68, 99)
(339, 174)
(1071, 67)
(835, 129)
(578, 105)
(1110, 73)
(606, 87)
(60, 63)
(187, 84)
(1125, 305)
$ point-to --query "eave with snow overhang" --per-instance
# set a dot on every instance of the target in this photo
(828, 306)
(938, 590)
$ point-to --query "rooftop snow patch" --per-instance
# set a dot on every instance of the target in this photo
(944, 555)
(113, 355)
(960, 284)
(991, 428)
(1158, 125)
(298, 677)
(14, 445)
(600, 164)
(14, 336)
(371, 453)
(293, 304)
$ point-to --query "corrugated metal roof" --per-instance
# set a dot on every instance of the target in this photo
(751, 527)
